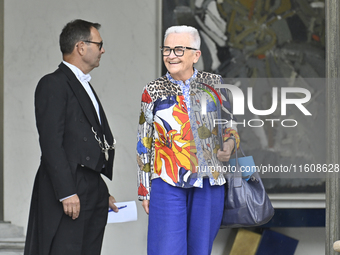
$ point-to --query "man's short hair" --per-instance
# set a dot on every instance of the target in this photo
(75, 31)
(196, 42)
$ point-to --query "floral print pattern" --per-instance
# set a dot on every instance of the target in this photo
(174, 139)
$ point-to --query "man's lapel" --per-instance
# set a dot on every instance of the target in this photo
(82, 96)
(105, 125)
(101, 111)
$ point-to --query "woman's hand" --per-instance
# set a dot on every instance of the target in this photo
(228, 147)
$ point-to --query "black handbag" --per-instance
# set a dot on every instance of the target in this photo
(246, 203)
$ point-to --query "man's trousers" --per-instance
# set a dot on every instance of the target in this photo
(84, 235)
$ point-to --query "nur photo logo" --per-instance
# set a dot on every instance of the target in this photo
(238, 104)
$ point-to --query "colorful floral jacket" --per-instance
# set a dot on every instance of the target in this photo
(177, 136)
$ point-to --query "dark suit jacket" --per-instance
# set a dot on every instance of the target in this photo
(65, 117)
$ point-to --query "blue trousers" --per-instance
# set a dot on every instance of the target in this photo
(183, 221)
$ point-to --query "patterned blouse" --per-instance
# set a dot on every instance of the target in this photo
(177, 136)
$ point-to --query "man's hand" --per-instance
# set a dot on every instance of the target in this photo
(145, 205)
(112, 205)
(228, 147)
(72, 206)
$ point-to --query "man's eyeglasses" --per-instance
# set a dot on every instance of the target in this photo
(100, 44)
(178, 50)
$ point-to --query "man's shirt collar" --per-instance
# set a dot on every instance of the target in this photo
(78, 73)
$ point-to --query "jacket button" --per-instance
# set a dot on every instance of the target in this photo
(85, 139)
(87, 158)
(82, 165)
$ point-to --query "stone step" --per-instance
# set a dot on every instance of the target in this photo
(12, 239)
(11, 253)
(12, 244)
(8, 230)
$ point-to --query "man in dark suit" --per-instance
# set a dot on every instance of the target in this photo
(70, 200)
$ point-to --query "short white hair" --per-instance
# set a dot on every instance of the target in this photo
(196, 40)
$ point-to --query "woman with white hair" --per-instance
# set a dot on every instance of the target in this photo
(178, 151)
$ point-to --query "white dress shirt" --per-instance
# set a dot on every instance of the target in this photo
(84, 80)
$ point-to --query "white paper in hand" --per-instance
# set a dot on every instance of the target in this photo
(127, 212)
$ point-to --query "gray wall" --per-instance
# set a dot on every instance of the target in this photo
(131, 40)
(32, 31)
(1, 107)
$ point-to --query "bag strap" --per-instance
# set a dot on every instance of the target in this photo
(237, 173)
(219, 126)
(244, 155)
